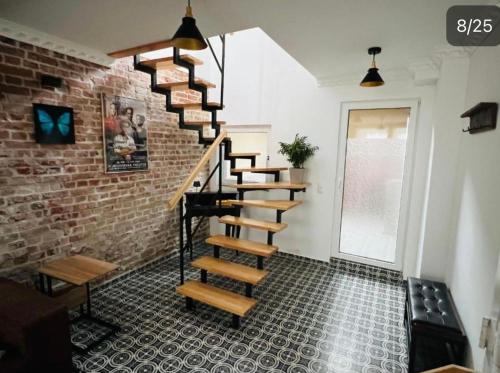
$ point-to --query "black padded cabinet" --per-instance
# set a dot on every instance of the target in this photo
(436, 336)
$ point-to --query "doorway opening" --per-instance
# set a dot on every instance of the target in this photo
(373, 185)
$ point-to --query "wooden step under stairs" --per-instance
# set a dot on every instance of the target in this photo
(218, 204)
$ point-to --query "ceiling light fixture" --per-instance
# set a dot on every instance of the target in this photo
(372, 78)
(188, 36)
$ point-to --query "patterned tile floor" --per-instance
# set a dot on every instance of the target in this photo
(312, 317)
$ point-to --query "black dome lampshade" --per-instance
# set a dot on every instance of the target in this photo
(188, 36)
(372, 78)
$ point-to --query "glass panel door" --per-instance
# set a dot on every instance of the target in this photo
(373, 179)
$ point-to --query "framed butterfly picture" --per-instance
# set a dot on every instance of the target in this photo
(53, 124)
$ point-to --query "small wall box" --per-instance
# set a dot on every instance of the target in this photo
(483, 117)
(449, 369)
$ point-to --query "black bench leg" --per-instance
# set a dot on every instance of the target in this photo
(412, 354)
(459, 348)
(236, 322)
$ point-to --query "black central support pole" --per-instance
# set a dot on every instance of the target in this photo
(181, 239)
(220, 175)
(189, 231)
(223, 40)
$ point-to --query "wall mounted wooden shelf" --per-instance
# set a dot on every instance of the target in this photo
(483, 117)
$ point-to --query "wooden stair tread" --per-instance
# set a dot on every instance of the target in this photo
(245, 246)
(276, 185)
(282, 205)
(243, 154)
(227, 203)
(202, 122)
(184, 85)
(235, 271)
(192, 105)
(219, 298)
(259, 169)
(150, 47)
(164, 63)
(253, 223)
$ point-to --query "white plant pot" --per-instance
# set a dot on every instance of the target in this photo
(297, 175)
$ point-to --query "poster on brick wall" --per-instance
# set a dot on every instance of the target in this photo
(124, 134)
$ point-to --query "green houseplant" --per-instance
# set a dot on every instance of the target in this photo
(297, 153)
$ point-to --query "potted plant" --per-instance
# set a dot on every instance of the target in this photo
(297, 153)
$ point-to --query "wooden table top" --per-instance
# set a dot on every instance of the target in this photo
(77, 269)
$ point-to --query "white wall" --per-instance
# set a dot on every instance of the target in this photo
(475, 239)
(446, 135)
(265, 85)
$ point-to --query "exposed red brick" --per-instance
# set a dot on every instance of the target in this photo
(56, 199)
(16, 71)
(14, 89)
(13, 80)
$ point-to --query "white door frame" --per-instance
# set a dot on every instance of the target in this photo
(413, 104)
(246, 128)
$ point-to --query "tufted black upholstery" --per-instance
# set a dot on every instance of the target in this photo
(431, 313)
(431, 303)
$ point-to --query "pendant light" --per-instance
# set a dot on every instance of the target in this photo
(188, 36)
(372, 78)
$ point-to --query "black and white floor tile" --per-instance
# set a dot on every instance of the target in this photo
(311, 317)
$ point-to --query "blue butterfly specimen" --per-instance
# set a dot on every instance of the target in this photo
(48, 126)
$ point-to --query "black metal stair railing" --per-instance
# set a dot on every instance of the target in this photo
(178, 60)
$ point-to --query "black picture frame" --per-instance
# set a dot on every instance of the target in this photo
(53, 124)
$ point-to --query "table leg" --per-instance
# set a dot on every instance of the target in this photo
(49, 286)
(113, 328)
(89, 312)
(42, 282)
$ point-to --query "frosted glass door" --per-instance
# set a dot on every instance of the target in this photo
(373, 176)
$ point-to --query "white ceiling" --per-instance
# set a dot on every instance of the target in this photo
(328, 37)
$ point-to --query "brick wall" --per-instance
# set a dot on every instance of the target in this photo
(56, 199)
